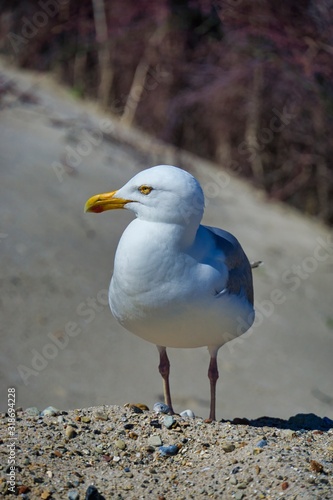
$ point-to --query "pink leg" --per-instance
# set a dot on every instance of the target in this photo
(164, 369)
(213, 375)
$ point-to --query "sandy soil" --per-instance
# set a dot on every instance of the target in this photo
(116, 452)
(60, 345)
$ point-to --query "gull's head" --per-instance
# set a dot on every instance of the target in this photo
(161, 194)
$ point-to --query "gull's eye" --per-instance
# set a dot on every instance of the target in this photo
(145, 189)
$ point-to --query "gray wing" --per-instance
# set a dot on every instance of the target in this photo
(240, 273)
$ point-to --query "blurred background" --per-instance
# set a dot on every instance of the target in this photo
(238, 92)
(204, 76)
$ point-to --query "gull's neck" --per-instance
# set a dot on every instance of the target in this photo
(179, 236)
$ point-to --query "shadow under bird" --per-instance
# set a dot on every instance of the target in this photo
(176, 283)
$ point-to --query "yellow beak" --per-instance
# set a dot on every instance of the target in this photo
(106, 201)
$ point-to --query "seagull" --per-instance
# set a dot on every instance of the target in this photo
(176, 283)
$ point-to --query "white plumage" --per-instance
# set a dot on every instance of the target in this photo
(176, 283)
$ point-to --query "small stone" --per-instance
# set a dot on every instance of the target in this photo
(128, 426)
(70, 432)
(100, 415)
(233, 480)
(169, 421)
(239, 495)
(50, 411)
(161, 408)
(168, 451)
(46, 495)
(92, 493)
(257, 469)
(134, 408)
(154, 440)
(128, 486)
(38, 480)
(73, 495)
(86, 420)
(236, 469)
(228, 448)
(187, 414)
(120, 444)
(242, 486)
(288, 433)
(316, 466)
(261, 443)
(156, 424)
(149, 449)
(284, 485)
(32, 411)
(23, 489)
(133, 435)
(142, 406)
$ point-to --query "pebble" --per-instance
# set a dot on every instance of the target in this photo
(92, 493)
(85, 420)
(156, 424)
(168, 451)
(73, 495)
(261, 443)
(239, 495)
(142, 406)
(120, 444)
(46, 495)
(134, 408)
(228, 447)
(32, 411)
(70, 432)
(169, 421)
(100, 415)
(161, 408)
(316, 466)
(50, 411)
(128, 426)
(154, 440)
(187, 414)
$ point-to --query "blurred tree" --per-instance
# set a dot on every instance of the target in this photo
(245, 83)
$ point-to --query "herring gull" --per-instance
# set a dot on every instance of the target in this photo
(176, 283)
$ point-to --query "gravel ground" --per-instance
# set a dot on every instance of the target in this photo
(115, 452)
